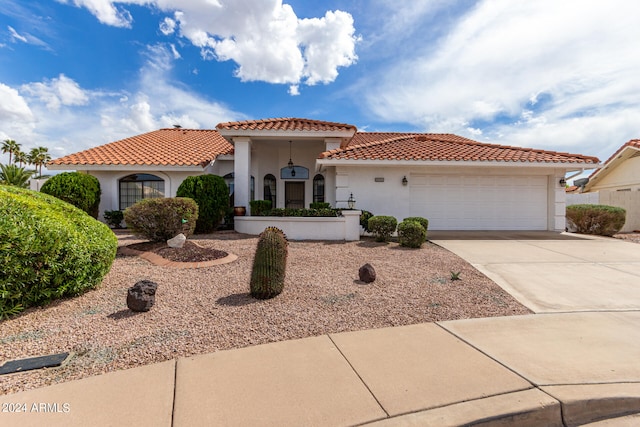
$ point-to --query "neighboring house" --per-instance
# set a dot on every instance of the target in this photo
(621, 172)
(455, 182)
(616, 183)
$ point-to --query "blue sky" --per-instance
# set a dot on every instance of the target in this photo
(561, 76)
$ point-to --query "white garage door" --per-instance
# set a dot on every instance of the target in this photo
(452, 202)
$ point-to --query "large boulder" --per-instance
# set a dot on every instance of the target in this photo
(367, 273)
(142, 295)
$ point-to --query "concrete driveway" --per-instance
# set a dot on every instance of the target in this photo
(554, 272)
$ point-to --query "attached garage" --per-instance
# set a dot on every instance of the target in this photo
(466, 202)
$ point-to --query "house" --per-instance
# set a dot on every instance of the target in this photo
(616, 183)
(455, 182)
(621, 172)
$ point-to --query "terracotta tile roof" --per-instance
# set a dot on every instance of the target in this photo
(442, 147)
(286, 124)
(164, 147)
(634, 143)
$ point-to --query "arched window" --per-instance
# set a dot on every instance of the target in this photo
(136, 187)
(318, 188)
(270, 189)
(228, 178)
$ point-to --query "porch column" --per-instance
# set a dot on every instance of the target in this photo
(242, 171)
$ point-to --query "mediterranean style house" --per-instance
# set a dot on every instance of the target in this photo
(455, 182)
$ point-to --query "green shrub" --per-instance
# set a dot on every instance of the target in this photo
(161, 219)
(295, 212)
(364, 220)
(320, 205)
(211, 194)
(15, 175)
(48, 249)
(269, 264)
(114, 218)
(411, 234)
(79, 189)
(382, 227)
(424, 222)
(260, 207)
(602, 220)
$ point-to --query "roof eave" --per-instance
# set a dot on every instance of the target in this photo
(229, 134)
(464, 163)
(183, 168)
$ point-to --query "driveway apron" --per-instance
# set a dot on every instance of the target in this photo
(554, 272)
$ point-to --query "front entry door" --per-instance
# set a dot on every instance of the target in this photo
(294, 195)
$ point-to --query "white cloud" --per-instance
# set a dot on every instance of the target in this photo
(294, 90)
(16, 36)
(264, 37)
(85, 118)
(13, 106)
(106, 11)
(523, 72)
(167, 26)
(27, 38)
(56, 92)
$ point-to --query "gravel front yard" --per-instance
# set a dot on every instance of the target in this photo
(209, 309)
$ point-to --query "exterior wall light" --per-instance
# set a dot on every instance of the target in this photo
(404, 180)
(562, 182)
(351, 202)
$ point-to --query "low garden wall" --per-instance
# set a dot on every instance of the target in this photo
(345, 227)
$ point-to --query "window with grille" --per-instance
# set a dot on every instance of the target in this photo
(270, 189)
(318, 189)
(136, 187)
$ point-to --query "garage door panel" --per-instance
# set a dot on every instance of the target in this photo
(465, 202)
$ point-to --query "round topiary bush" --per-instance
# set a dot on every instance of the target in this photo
(49, 249)
(79, 189)
(212, 196)
(382, 227)
(162, 219)
(411, 234)
(602, 220)
(424, 222)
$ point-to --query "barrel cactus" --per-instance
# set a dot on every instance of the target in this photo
(269, 264)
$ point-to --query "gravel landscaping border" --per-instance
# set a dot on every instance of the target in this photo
(209, 309)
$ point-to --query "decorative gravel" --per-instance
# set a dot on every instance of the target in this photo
(209, 309)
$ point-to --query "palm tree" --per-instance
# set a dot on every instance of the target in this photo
(20, 157)
(38, 157)
(10, 146)
(14, 175)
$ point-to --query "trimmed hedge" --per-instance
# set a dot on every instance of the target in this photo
(382, 227)
(79, 189)
(602, 220)
(162, 219)
(329, 212)
(211, 194)
(49, 249)
(319, 205)
(411, 234)
(260, 207)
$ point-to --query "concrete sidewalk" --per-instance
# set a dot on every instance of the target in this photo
(537, 370)
(576, 363)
